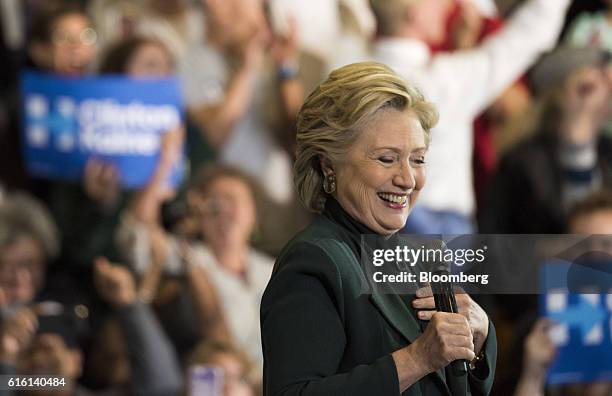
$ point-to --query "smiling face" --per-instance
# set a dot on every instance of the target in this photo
(383, 172)
(228, 213)
(72, 44)
(22, 266)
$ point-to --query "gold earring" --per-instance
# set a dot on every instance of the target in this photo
(329, 183)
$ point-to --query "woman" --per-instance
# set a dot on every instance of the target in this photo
(360, 162)
(222, 211)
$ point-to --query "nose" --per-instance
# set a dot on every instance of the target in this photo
(406, 177)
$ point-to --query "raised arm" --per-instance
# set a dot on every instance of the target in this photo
(155, 367)
(473, 78)
(217, 120)
(145, 206)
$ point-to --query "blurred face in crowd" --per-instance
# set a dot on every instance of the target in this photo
(236, 382)
(149, 60)
(22, 266)
(383, 172)
(71, 47)
(589, 88)
(228, 213)
(429, 18)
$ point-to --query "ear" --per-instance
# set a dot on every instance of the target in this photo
(326, 165)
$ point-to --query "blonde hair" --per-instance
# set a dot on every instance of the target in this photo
(334, 114)
(390, 15)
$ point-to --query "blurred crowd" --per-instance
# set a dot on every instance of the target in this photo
(127, 291)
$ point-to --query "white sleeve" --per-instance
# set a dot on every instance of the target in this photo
(473, 78)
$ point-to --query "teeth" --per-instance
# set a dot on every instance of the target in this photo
(400, 199)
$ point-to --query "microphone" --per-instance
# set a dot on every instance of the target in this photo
(446, 302)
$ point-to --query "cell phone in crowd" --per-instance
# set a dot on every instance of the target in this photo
(67, 321)
(205, 381)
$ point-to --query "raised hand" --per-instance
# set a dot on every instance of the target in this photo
(114, 283)
(16, 333)
(101, 183)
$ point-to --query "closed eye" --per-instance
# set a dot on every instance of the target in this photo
(386, 160)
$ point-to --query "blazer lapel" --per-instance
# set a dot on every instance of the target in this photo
(395, 311)
(397, 314)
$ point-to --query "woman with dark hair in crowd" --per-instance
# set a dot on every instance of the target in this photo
(139, 57)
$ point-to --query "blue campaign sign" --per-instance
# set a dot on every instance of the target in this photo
(115, 119)
(578, 299)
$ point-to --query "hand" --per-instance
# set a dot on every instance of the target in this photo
(467, 29)
(52, 356)
(539, 349)
(16, 333)
(171, 145)
(476, 316)
(447, 338)
(585, 103)
(114, 283)
(101, 183)
(250, 51)
(170, 151)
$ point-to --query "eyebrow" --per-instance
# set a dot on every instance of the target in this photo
(397, 149)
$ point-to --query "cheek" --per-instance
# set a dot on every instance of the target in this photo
(420, 177)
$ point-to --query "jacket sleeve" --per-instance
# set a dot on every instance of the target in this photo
(155, 367)
(303, 334)
(481, 379)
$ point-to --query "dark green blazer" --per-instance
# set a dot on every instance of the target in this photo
(322, 335)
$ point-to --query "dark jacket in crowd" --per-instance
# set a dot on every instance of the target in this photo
(526, 196)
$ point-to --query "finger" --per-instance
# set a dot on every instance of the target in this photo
(465, 354)
(451, 318)
(424, 292)
(462, 341)
(424, 303)
(101, 265)
(426, 315)
(452, 324)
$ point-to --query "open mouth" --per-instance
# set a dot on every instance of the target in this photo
(394, 200)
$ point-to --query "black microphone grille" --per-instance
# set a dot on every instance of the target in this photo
(435, 250)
